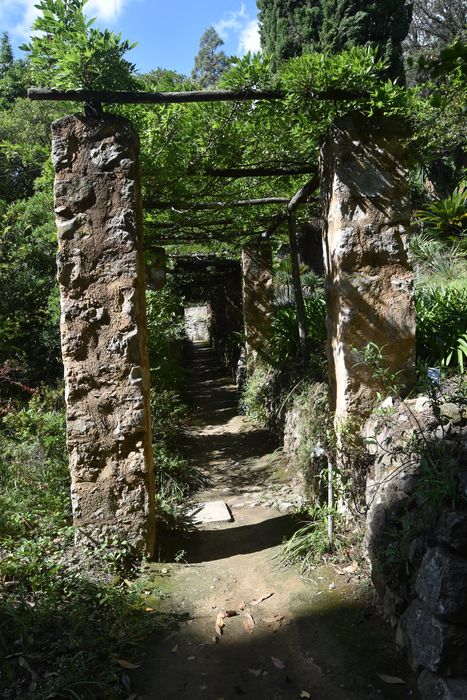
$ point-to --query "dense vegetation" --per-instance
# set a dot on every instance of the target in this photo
(48, 591)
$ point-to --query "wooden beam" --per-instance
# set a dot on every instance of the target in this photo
(136, 97)
(236, 173)
(188, 206)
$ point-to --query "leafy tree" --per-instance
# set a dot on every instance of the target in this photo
(383, 24)
(69, 53)
(210, 62)
(435, 23)
(12, 73)
(289, 27)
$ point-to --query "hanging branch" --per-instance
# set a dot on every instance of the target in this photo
(297, 287)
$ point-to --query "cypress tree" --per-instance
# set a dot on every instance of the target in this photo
(380, 23)
(288, 27)
(210, 61)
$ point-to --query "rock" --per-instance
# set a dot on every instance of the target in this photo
(452, 530)
(442, 585)
(211, 512)
(452, 412)
(433, 687)
(432, 644)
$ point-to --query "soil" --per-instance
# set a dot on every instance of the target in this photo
(279, 636)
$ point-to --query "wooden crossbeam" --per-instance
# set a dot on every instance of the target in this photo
(190, 206)
(137, 97)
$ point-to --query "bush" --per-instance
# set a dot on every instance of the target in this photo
(441, 322)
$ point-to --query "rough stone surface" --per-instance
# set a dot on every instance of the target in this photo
(442, 585)
(369, 278)
(440, 688)
(432, 644)
(103, 328)
(258, 299)
(452, 530)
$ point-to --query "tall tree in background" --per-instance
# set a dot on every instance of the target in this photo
(289, 27)
(210, 62)
(12, 73)
(436, 23)
(380, 23)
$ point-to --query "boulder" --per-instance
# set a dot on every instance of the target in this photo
(441, 584)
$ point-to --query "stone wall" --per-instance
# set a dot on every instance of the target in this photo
(417, 533)
(368, 274)
(103, 328)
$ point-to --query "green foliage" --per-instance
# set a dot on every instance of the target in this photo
(166, 330)
(254, 393)
(288, 28)
(310, 542)
(383, 25)
(29, 314)
(441, 321)
(435, 259)
(34, 478)
(210, 62)
(68, 52)
(447, 218)
(285, 343)
(72, 617)
(13, 74)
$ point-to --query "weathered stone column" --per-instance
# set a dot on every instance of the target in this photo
(258, 298)
(103, 328)
(368, 274)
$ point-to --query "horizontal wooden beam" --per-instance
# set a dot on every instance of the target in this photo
(137, 97)
(190, 206)
(236, 173)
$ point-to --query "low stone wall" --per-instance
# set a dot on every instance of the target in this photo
(417, 534)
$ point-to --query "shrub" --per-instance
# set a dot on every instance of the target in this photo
(441, 322)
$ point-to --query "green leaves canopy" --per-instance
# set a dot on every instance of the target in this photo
(70, 53)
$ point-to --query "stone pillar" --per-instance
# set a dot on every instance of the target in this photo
(369, 277)
(258, 299)
(103, 329)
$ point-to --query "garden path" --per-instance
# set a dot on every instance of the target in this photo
(287, 637)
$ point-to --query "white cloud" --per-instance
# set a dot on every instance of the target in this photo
(240, 25)
(249, 38)
(105, 10)
(17, 16)
(232, 20)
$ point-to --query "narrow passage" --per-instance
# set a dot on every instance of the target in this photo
(278, 636)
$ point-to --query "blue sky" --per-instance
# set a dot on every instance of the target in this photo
(167, 32)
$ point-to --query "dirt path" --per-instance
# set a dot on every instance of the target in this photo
(289, 638)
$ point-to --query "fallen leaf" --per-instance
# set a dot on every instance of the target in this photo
(127, 664)
(231, 613)
(148, 609)
(256, 672)
(242, 605)
(174, 649)
(351, 569)
(278, 663)
(248, 622)
(260, 600)
(191, 658)
(393, 680)
(305, 694)
(331, 586)
(218, 630)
